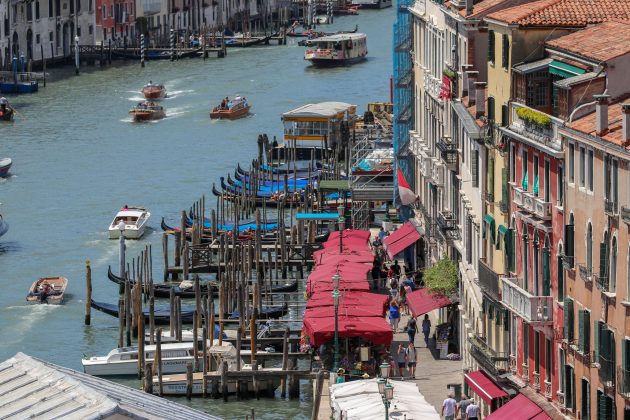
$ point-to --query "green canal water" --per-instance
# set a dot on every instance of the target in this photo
(78, 158)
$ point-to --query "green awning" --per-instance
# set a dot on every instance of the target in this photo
(489, 221)
(502, 232)
(335, 185)
(564, 70)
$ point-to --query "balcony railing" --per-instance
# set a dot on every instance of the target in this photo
(625, 214)
(623, 382)
(548, 390)
(544, 135)
(513, 363)
(533, 309)
(542, 208)
(611, 208)
(568, 262)
(526, 373)
(536, 384)
(586, 274)
(448, 152)
(518, 196)
(446, 220)
(495, 363)
(488, 280)
(601, 282)
(438, 173)
(606, 371)
(449, 236)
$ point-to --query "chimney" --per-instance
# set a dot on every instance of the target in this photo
(472, 79)
(480, 99)
(601, 114)
(469, 7)
(625, 123)
(465, 69)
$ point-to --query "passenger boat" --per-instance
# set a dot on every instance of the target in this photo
(4, 226)
(336, 50)
(132, 220)
(147, 111)
(124, 360)
(5, 165)
(230, 110)
(6, 110)
(154, 91)
(311, 34)
(372, 4)
(49, 290)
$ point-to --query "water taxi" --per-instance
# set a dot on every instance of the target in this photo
(6, 110)
(147, 111)
(131, 221)
(49, 290)
(336, 50)
(154, 91)
(372, 4)
(5, 165)
(230, 110)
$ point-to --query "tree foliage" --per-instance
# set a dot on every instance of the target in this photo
(442, 278)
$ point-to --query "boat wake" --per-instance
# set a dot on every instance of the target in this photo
(172, 94)
(136, 99)
(23, 318)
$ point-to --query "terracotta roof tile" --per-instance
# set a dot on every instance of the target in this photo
(586, 124)
(564, 13)
(602, 42)
(480, 7)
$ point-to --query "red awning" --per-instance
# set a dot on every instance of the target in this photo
(345, 310)
(326, 256)
(421, 302)
(519, 408)
(398, 241)
(347, 271)
(354, 298)
(373, 329)
(353, 240)
(344, 287)
(483, 386)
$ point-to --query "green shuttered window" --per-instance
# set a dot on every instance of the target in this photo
(546, 275)
(491, 46)
(568, 318)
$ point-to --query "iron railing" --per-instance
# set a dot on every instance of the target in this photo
(623, 381)
(586, 273)
(495, 363)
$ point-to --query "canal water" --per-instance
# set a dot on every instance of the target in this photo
(78, 158)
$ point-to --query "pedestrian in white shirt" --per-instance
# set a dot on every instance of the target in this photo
(473, 412)
(449, 407)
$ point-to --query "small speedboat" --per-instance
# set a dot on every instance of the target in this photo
(5, 165)
(154, 91)
(131, 221)
(230, 110)
(147, 111)
(6, 110)
(49, 290)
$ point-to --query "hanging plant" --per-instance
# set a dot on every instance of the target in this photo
(449, 73)
(442, 278)
(534, 117)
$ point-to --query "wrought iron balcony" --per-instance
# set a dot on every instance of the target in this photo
(495, 363)
(448, 152)
(611, 208)
(567, 262)
(586, 274)
(625, 214)
(606, 371)
(446, 220)
(438, 173)
(623, 382)
(533, 309)
(488, 280)
(542, 208)
(601, 282)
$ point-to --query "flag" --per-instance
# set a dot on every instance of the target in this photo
(404, 190)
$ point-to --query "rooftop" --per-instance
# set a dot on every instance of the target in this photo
(601, 42)
(32, 388)
(483, 7)
(564, 13)
(586, 125)
(322, 109)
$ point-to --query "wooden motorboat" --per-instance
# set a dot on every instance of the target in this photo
(154, 91)
(49, 290)
(230, 110)
(147, 111)
(246, 41)
(335, 50)
(4, 226)
(6, 110)
(131, 221)
(5, 165)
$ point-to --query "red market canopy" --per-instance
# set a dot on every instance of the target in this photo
(373, 329)
(330, 256)
(421, 302)
(398, 241)
(354, 298)
(345, 311)
(483, 386)
(352, 240)
(519, 408)
(320, 287)
(348, 272)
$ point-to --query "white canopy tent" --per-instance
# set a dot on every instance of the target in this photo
(361, 400)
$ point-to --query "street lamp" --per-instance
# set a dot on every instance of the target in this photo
(388, 396)
(335, 294)
(121, 248)
(342, 226)
(384, 388)
(385, 367)
(381, 385)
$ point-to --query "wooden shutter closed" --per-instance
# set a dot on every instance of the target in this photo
(581, 330)
(568, 240)
(596, 339)
(505, 197)
(546, 275)
(568, 318)
(475, 168)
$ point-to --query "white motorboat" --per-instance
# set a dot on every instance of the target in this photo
(131, 221)
(372, 4)
(124, 361)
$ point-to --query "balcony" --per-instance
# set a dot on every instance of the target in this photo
(625, 214)
(533, 309)
(542, 208)
(488, 280)
(548, 390)
(541, 135)
(568, 261)
(448, 153)
(536, 384)
(446, 220)
(607, 373)
(611, 208)
(493, 362)
(513, 363)
(426, 166)
(438, 173)
(623, 382)
(518, 196)
(601, 282)
(529, 201)
(586, 274)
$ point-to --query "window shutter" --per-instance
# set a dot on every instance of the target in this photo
(506, 320)
(490, 113)
(596, 339)
(581, 330)
(506, 52)
(624, 358)
(603, 259)
(475, 169)
(605, 343)
(505, 197)
(491, 46)
(546, 275)
(505, 115)
(512, 256)
(587, 332)
(491, 180)
(602, 407)
(568, 319)
(568, 239)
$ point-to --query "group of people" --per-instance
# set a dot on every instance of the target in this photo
(465, 409)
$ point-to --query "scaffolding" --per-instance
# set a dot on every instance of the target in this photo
(403, 103)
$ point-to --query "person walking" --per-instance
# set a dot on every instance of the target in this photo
(412, 328)
(449, 406)
(394, 315)
(426, 329)
(473, 412)
(463, 405)
(381, 235)
(410, 353)
(401, 357)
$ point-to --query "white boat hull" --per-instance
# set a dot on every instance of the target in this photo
(98, 366)
(128, 233)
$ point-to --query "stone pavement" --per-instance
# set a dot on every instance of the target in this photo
(432, 374)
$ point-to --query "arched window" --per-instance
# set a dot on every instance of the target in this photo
(589, 248)
(613, 266)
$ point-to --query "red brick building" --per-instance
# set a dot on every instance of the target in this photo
(115, 21)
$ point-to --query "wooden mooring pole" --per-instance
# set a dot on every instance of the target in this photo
(88, 293)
